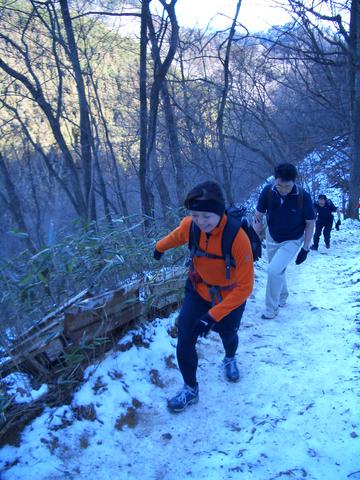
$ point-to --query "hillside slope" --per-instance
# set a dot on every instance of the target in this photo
(294, 414)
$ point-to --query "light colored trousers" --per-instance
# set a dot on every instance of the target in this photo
(279, 256)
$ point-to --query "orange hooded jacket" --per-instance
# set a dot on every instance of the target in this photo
(212, 271)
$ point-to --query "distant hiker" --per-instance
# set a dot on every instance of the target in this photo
(324, 208)
(215, 291)
(290, 224)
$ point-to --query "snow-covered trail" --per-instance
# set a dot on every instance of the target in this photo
(294, 414)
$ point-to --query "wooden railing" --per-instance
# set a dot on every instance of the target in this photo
(85, 318)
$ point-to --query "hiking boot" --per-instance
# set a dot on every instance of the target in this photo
(268, 316)
(313, 247)
(282, 302)
(186, 396)
(231, 369)
(327, 245)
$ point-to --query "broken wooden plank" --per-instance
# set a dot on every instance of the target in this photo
(39, 326)
(40, 337)
(101, 323)
(52, 348)
(117, 300)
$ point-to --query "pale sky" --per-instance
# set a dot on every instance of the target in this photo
(254, 14)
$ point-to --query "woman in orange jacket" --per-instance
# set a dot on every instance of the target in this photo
(214, 299)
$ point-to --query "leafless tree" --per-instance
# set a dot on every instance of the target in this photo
(343, 35)
(27, 80)
(148, 117)
(12, 201)
(225, 61)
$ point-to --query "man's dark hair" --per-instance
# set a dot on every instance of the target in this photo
(205, 191)
(322, 197)
(286, 172)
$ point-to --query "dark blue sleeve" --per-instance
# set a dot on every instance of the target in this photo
(309, 211)
(333, 208)
(263, 201)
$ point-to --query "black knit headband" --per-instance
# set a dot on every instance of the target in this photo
(212, 206)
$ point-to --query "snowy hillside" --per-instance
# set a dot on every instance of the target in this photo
(294, 414)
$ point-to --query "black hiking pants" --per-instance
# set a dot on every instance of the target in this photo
(192, 309)
(326, 228)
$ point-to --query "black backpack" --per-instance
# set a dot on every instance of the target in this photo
(236, 219)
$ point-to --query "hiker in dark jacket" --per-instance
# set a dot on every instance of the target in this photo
(212, 301)
(290, 224)
(324, 208)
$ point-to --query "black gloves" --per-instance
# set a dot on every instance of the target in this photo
(301, 256)
(337, 224)
(157, 254)
(203, 325)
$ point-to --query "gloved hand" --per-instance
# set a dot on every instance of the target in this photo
(157, 254)
(203, 325)
(301, 256)
(337, 225)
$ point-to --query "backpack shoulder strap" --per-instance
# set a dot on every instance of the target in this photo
(230, 231)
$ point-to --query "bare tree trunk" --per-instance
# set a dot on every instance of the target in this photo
(160, 70)
(103, 191)
(38, 209)
(196, 153)
(14, 204)
(174, 146)
(165, 200)
(148, 122)
(86, 139)
(220, 117)
(354, 181)
(145, 193)
(109, 145)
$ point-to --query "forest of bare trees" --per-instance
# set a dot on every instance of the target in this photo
(99, 123)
